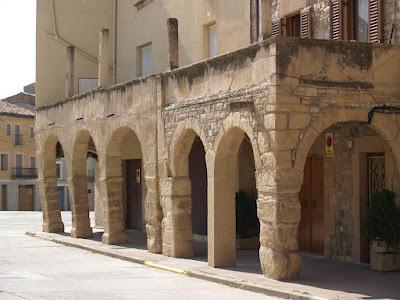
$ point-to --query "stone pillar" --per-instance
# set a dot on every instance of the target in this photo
(254, 21)
(173, 43)
(98, 202)
(50, 205)
(111, 190)
(222, 187)
(265, 20)
(70, 76)
(176, 204)
(104, 57)
(78, 187)
(279, 212)
(153, 216)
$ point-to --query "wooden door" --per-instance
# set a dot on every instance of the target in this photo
(134, 193)
(25, 198)
(311, 229)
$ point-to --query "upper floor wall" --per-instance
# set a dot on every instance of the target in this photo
(139, 34)
(63, 23)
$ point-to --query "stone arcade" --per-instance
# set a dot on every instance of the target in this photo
(281, 94)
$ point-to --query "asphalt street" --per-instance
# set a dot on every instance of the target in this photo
(35, 269)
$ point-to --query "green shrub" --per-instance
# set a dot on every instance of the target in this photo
(383, 221)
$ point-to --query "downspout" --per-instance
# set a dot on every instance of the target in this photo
(115, 25)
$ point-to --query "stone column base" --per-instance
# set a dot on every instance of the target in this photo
(116, 238)
(53, 227)
(86, 232)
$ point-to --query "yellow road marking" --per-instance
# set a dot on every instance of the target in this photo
(165, 268)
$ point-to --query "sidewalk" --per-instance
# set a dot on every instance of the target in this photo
(320, 278)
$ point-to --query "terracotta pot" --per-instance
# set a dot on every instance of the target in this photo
(382, 258)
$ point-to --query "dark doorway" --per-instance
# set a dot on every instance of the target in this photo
(311, 229)
(25, 197)
(133, 193)
(198, 178)
(372, 180)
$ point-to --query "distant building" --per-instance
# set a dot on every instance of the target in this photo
(18, 173)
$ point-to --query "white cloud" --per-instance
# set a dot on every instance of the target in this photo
(17, 45)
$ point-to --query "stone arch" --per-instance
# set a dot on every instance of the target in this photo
(79, 184)
(177, 200)
(237, 125)
(223, 163)
(385, 125)
(47, 182)
(122, 143)
(181, 144)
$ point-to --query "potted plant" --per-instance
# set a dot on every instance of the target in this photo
(383, 224)
(247, 224)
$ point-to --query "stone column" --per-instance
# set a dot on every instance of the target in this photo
(176, 204)
(79, 207)
(104, 57)
(265, 21)
(70, 76)
(279, 212)
(254, 21)
(173, 43)
(50, 205)
(111, 190)
(98, 202)
(222, 211)
(153, 216)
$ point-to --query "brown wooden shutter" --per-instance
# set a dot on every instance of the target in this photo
(336, 20)
(277, 28)
(375, 21)
(305, 23)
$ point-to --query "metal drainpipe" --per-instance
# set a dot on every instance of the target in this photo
(115, 14)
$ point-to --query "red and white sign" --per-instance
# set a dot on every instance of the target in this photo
(329, 152)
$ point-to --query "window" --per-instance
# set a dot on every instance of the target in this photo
(58, 170)
(87, 84)
(17, 135)
(8, 128)
(18, 160)
(144, 55)
(32, 132)
(4, 162)
(211, 35)
(32, 162)
(293, 25)
(361, 20)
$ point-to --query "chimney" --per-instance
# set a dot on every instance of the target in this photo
(69, 81)
(265, 20)
(173, 43)
(254, 21)
(104, 58)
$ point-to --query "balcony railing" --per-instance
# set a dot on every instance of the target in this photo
(18, 139)
(24, 173)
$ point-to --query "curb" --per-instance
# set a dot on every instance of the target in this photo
(231, 282)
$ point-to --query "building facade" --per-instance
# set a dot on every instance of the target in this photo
(18, 172)
(298, 110)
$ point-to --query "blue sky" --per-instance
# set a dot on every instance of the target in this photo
(17, 45)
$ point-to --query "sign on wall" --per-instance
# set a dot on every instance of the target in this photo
(329, 152)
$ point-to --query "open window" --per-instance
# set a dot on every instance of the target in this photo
(359, 20)
(297, 24)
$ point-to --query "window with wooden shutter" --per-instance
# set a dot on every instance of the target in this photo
(277, 28)
(305, 23)
(375, 21)
(336, 20)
